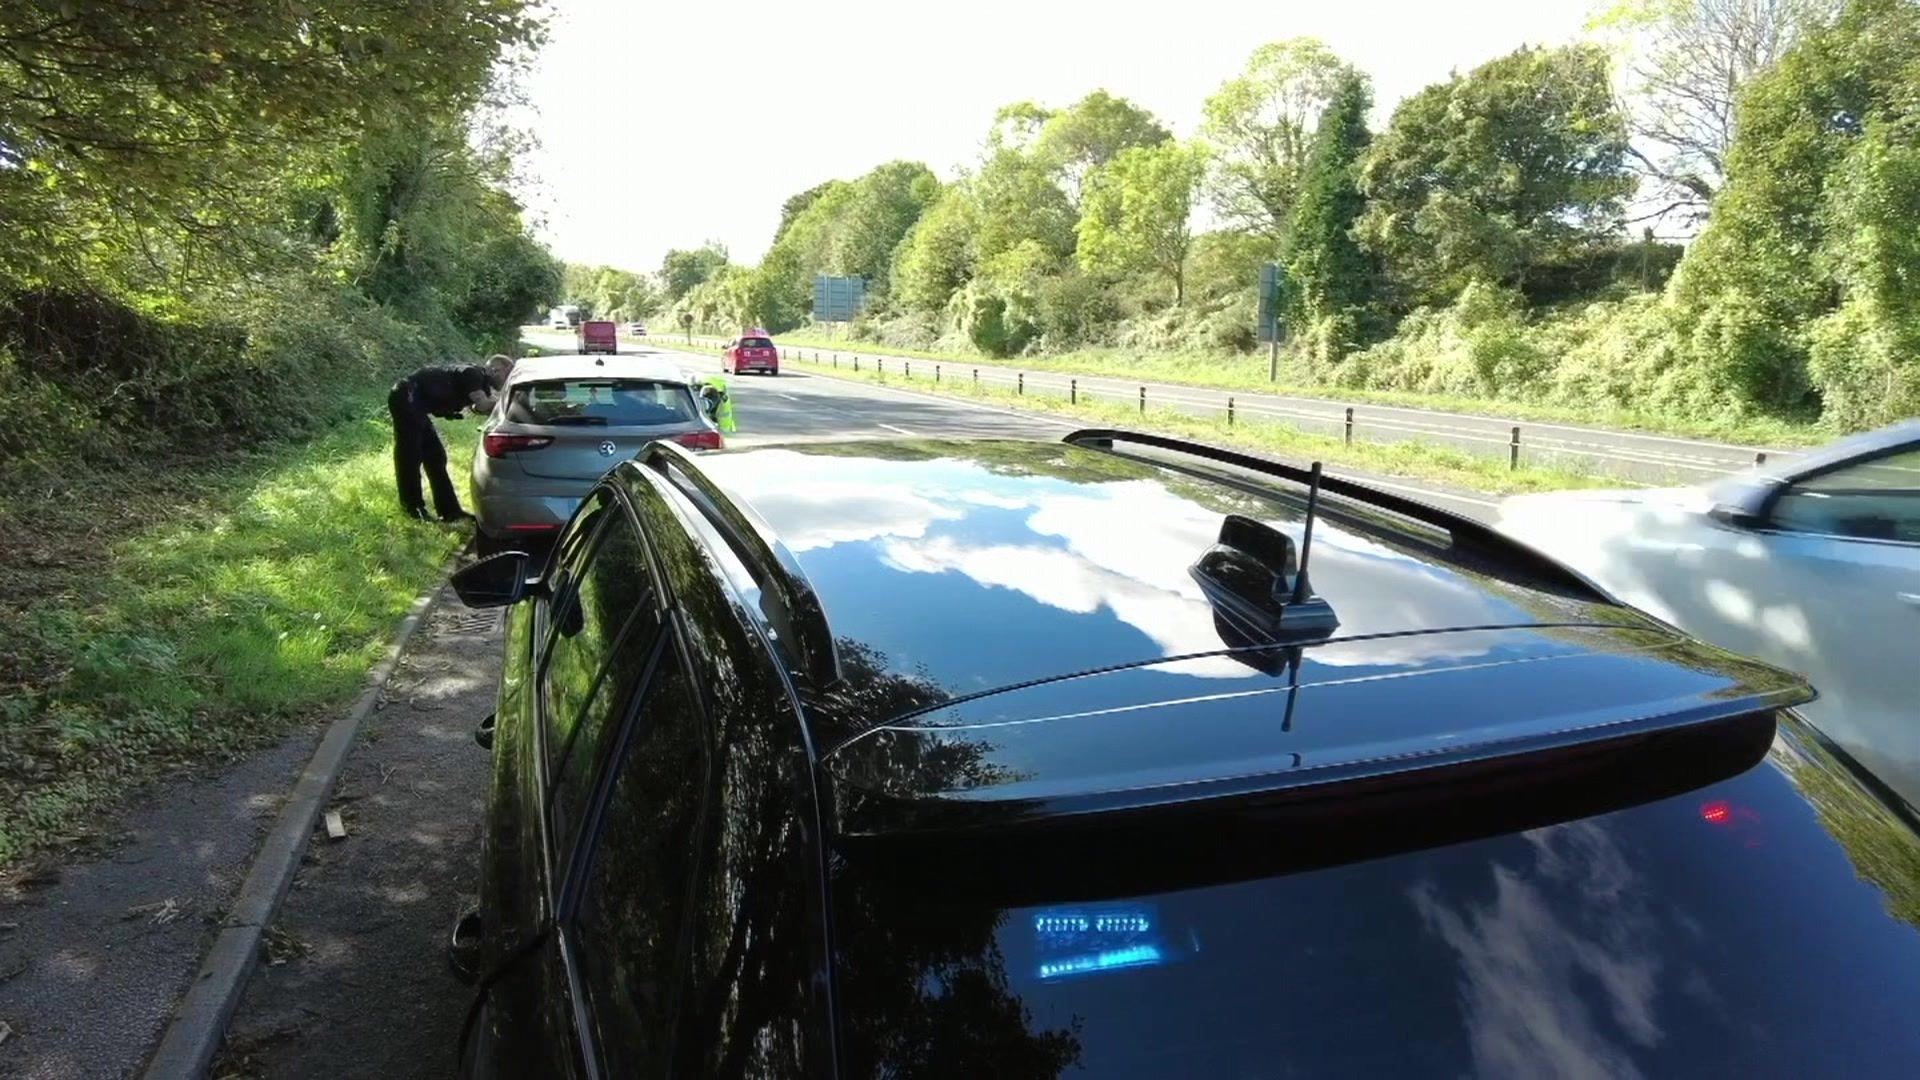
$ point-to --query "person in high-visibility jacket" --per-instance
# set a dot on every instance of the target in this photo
(719, 403)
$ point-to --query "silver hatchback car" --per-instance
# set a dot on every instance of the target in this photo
(560, 423)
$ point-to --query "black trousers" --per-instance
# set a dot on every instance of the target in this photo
(417, 446)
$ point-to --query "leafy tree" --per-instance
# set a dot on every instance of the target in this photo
(611, 292)
(1089, 133)
(1518, 162)
(797, 204)
(1016, 199)
(511, 280)
(1331, 276)
(116, 117)
(1138, 214)
(938, 256)
(1689, 60)
(1017, 127)
(1802, 291)
(884, 206)
(1258, 125)
(681, 270)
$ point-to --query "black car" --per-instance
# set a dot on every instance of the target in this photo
(1128, 756)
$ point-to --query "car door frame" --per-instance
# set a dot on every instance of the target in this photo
(562, 856)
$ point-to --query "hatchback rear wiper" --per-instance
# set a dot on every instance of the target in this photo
(577, 421)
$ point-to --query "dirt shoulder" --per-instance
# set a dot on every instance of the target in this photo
(355, 981)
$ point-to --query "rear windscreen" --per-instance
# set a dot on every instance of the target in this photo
(1731, 930)
(756, 343)
(600, 402)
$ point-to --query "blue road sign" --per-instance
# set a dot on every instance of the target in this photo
(838, 299)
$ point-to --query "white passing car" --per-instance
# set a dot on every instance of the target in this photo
(1812, 564)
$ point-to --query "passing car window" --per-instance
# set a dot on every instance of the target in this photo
(626, 933)
(756, 343)
(593, 661)
(1874, 500)
(600, 403)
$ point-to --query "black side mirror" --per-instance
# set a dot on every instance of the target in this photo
(495, 581)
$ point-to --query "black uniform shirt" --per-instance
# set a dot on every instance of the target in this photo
(444, 392)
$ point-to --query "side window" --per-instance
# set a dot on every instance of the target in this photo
(570, 551)
(602, 637)
(1874, 500)
(627, 933)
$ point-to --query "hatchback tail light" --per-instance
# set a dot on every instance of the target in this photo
(700, 440)
(498, 445)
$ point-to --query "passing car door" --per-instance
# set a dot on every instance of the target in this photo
(1844, 548)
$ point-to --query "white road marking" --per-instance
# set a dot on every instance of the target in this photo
(897, 430)
(789, 397)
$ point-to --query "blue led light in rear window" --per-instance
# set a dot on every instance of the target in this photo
(1085, 940)
(1112, 960)
(1091, 923)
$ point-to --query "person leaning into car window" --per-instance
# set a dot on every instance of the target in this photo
(413, 403)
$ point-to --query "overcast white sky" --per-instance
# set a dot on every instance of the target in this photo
(665, 124)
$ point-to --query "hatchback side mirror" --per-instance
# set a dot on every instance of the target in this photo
(495, 581)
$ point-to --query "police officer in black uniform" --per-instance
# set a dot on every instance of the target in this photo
(413, 402)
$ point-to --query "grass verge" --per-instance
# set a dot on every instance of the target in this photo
(1250, 374)
(1412, 459)
(173, 614)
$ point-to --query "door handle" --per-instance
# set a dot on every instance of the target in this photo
(1911, 599)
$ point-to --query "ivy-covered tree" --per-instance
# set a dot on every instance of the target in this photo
(1259, 124)
(1803, 292)
(1519, 162)
(1331, 276)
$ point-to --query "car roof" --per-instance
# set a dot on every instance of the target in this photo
(571, 366)
(971, 566)
(1037, 608)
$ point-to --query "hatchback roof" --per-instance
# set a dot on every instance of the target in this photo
(570, 366)
(1003, 627)
(963, 567)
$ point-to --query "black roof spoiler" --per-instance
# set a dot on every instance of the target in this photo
(879, 791)
(1463, 529)
(796, 616)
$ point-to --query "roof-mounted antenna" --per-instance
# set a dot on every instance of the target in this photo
(1252, 577)
(1302, 590)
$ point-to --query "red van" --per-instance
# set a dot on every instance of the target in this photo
(597, 336)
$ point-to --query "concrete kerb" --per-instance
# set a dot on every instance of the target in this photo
(199, 1022)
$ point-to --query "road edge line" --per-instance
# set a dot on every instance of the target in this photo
(199, 1022)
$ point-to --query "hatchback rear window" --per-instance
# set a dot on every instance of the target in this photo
(756, 343)
(1671, 938)
(600, 403)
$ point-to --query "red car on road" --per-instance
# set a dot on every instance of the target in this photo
(751, 352)
(597, 336)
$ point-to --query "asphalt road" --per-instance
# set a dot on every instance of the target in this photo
(1635, 456)
(803, 406)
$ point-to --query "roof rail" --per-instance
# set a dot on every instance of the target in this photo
(799, 617)
(1462, 528)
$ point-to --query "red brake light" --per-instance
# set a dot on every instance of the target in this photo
(498, 445)
(1717, 812)
(700, 440)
